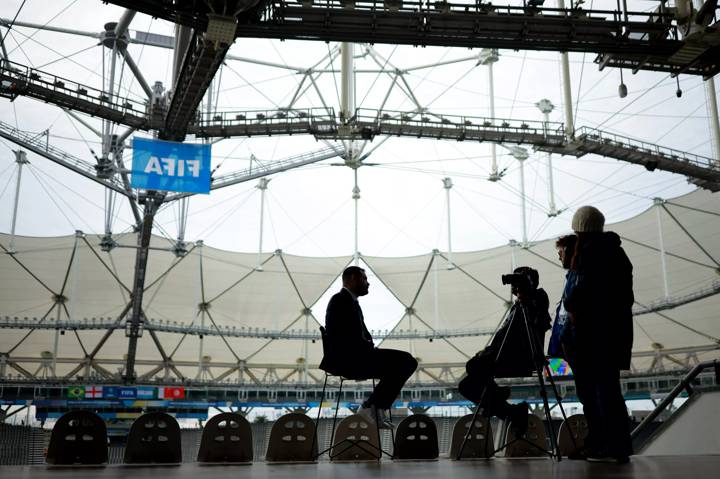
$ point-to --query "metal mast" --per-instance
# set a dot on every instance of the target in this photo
(448, 184)
(546, 107)
(20, 159)
(487, 57)
(567, 95)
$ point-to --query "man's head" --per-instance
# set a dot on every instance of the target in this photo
(355, 280)
(588, 219)
(566, 247)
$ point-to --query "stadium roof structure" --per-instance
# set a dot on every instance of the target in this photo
(407, 115)
(217, 316)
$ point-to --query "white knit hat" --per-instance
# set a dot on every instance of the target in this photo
(588, 219)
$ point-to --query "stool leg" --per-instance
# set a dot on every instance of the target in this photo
(317, 422)
(337, 406)
(377, 425)
(392, 433)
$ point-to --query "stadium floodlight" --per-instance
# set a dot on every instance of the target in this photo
(488, 56)
(518, 152)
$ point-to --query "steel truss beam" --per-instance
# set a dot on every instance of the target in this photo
(202, 60)
(366, 124)
(641, 40)
(197, 330)
(273, 381)
(33, 143)
(267, 170)
(17, 79)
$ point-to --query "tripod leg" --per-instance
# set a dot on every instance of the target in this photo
(558, 398)
(472, 424)
(534, 348)
(555, 451)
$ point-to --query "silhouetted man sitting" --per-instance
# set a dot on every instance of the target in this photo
(351, 353)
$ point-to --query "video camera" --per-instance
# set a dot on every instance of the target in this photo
(523, 279)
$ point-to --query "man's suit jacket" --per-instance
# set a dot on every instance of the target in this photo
(348, 340)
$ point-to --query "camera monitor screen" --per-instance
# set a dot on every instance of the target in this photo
(560, 367)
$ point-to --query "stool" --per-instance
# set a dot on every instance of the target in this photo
(330, 372)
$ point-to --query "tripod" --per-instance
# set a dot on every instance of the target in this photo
(538, 365)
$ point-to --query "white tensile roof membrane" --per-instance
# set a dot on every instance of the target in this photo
(236, 294)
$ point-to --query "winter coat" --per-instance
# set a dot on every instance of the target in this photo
(601, 301)
(562, 335)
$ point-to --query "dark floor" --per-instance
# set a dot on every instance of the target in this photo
(659, 467)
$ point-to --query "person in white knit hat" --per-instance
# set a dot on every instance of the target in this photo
(599, 304)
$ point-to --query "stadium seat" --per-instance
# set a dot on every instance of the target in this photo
(416, 438)
(356, 439)
(479, 444)
(79, 437)
(290, 440)
(226, 437)
(573, 432)
(533, 443)
(154, 438)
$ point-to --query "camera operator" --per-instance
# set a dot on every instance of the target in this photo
(509, 353)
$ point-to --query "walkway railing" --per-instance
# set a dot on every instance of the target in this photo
(684, 385)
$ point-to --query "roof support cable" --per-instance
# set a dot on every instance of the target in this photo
(222, 336)
(408, 309)
(292, 281)
(692, 238)
(692, 209)
(463, 353)
(22, 340)
(172, 266)
(683, 325)
(477, 281)
(422, 281)
(46, 189)
(243, 278)
(27, 270)
(10, 25)
(377, 77)
(302, 315)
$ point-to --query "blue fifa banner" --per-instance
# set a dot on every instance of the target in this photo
(127, 393)
(171, 166)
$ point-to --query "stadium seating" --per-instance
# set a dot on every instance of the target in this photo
(416, 438)
(479, 444)
(79, 437)
(356, 439)
(226, 437)
(290, 440)
(154, 438)
(573, 432)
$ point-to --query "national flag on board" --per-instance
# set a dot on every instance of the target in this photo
(93, 392)
(76, 392)
(127, 393)
(171, 393)
(110, 392)
(146, 393)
